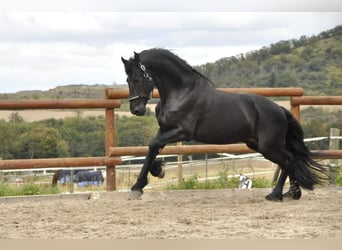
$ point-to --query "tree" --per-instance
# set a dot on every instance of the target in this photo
(85, 136)
(281, 47)
(7, 137)
(135, 131)
(272, 81)
(15, 117)
(42, 142)
(334, 77)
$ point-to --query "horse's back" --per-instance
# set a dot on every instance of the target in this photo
(231, 118)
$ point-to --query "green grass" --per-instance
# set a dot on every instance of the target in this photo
(222, 182)
(190, 183)
(27, 189)
(339, 178)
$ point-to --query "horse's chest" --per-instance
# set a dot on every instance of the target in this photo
(167, 119)
(163, 119)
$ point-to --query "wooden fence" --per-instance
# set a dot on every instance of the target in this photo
(109, 162)
(113, 153)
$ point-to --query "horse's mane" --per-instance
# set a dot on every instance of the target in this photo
(164, 52)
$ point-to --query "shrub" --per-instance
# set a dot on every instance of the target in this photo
(30, 189)
(339, 178)
(261, 183)
(4, 190)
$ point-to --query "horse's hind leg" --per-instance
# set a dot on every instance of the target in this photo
(294, 191)
(277, 193)
(283, 158)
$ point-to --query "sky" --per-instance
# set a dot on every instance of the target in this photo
(43, 48)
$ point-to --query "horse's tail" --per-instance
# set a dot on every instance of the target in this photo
(305, 170)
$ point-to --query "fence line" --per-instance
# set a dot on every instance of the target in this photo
(59, 104)
(296, 99)
(60, 162)
(312, 100)
(270, 92)
(111, 102)
(106, 104)
(184, 149)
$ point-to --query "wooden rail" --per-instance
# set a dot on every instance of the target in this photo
(327, 154)
(124, 93)
(209, 149)
(184, 149)
(317, 100)
(58, 162)
(312, 100)
(59, 104)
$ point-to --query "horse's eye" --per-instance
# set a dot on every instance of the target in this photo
(135, 80)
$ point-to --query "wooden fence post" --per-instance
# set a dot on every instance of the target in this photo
(180, 167)
(110, 142)
(295, 110)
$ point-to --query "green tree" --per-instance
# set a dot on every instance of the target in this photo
(7, 137)
(334, 76)
(135, 131)
(85, 136)
(42, 142)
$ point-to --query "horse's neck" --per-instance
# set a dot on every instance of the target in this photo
(170, 90)
(171, 87)
(172, 79)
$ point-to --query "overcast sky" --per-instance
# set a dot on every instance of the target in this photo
(44, 49)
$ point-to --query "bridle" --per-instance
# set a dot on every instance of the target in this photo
(149, 78)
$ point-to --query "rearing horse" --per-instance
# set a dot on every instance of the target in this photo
(190, 108)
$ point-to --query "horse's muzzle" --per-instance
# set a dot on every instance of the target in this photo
(138, 111)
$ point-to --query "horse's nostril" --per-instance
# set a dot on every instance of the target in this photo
(136, 112)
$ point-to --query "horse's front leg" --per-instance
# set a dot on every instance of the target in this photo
(137, 188)
(155, 147)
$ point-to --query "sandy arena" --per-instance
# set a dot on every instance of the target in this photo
(200, 214)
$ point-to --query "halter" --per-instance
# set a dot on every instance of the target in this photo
(147, 76)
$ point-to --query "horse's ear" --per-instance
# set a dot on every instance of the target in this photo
(136, 56)
(126, 64)
(124, 61)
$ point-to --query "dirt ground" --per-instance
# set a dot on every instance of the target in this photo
(200, 214)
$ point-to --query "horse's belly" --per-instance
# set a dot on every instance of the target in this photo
(227, 135)
(218, 140)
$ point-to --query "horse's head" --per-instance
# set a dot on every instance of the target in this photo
(139, 83)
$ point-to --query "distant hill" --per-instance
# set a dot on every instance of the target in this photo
(314, 63)
(96, 91)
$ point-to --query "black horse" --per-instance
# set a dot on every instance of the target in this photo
(190, 108)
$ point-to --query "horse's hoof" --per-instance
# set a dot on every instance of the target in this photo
(162, 173)
(274, 197)
(293, 194)
(135, 195)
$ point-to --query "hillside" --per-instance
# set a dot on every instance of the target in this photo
(314, 63)
(95, 91)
